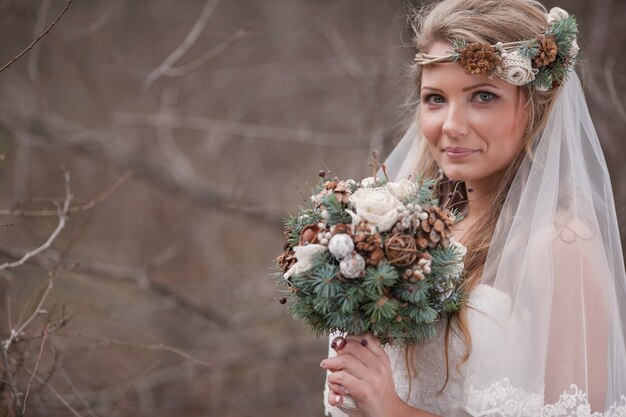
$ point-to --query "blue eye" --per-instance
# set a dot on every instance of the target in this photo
(484, 96)
(434, 99)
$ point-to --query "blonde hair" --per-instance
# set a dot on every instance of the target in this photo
(487, 21)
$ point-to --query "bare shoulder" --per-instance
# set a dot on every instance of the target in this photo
(571, 229)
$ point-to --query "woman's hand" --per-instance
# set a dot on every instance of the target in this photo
(362, 369)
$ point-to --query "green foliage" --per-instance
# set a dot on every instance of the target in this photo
(379, 280)
(424, 193)
(543, 79)
(396, 310)
(336, 212)
(564, 32)
(317, 188)
(529, 48)
(444, 262)
(457, 46)
(294, 224)
(412, 292)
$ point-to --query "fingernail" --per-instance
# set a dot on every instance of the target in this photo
(322, 363)
(338, 399)
(338, 343)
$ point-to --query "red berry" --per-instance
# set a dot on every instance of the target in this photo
(282, 300)
(322, 173)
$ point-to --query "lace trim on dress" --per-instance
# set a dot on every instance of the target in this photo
(506, 400)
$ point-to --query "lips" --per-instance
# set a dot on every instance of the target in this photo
(456, 152)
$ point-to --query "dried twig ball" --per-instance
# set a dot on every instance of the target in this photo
(401, 250)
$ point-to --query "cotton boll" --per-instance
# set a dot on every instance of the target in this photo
(340, 245)
(352, 266)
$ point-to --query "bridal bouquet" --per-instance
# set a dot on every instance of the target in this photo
(371, 256)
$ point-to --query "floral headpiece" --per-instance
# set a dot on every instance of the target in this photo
(543, 61)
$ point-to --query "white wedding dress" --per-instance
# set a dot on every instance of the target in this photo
(428, 389)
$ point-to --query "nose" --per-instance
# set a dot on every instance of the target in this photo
(455, 125)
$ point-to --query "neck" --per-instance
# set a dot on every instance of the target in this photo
(482, 195)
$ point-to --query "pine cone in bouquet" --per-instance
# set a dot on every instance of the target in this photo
(436, 228)
(373, 256)
(369, 244)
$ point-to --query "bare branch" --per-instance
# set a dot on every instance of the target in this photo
(33, 43)
(147, 371)
(153, 170)
(178, 163)
(147, 346)
(40, 24)
(136, 276)
(345, 54)
(248, 130)
(207, 56)
(16, 333)
(17, 395)
(191, 38)
(102, 20)
(80, 399)
(58, 396)
(39, 356)
(74, 209)
(62, 213)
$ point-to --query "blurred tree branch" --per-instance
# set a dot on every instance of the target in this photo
(62, 213)
(73, 209)
(237, 128)
(191, 38)
(38, 38)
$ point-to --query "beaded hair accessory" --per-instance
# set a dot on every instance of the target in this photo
(543, 61)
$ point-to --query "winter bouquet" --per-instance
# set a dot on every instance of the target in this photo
(372, 256)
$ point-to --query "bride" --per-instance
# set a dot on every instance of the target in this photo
(542, 331)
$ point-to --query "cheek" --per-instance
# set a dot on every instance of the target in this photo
(431, 128)
(507, 135)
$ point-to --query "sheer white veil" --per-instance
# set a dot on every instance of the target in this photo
(548, 320)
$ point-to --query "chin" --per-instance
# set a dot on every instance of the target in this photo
(459, 173)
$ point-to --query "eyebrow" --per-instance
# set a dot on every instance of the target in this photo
(471, 87)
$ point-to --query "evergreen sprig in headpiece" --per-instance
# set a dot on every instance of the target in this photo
(543, 61)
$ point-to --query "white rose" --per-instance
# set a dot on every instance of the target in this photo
(556, 13)
(517, 69)
(377, 206)
(304, 255)
(402, 189)
(369, 182)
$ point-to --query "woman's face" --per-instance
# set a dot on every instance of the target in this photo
(474, 125)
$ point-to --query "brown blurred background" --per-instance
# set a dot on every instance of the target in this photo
(185, 127)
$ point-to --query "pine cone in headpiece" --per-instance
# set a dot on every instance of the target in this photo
(435, 229)
(479, 59)
(370, 247)
(547, 51)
